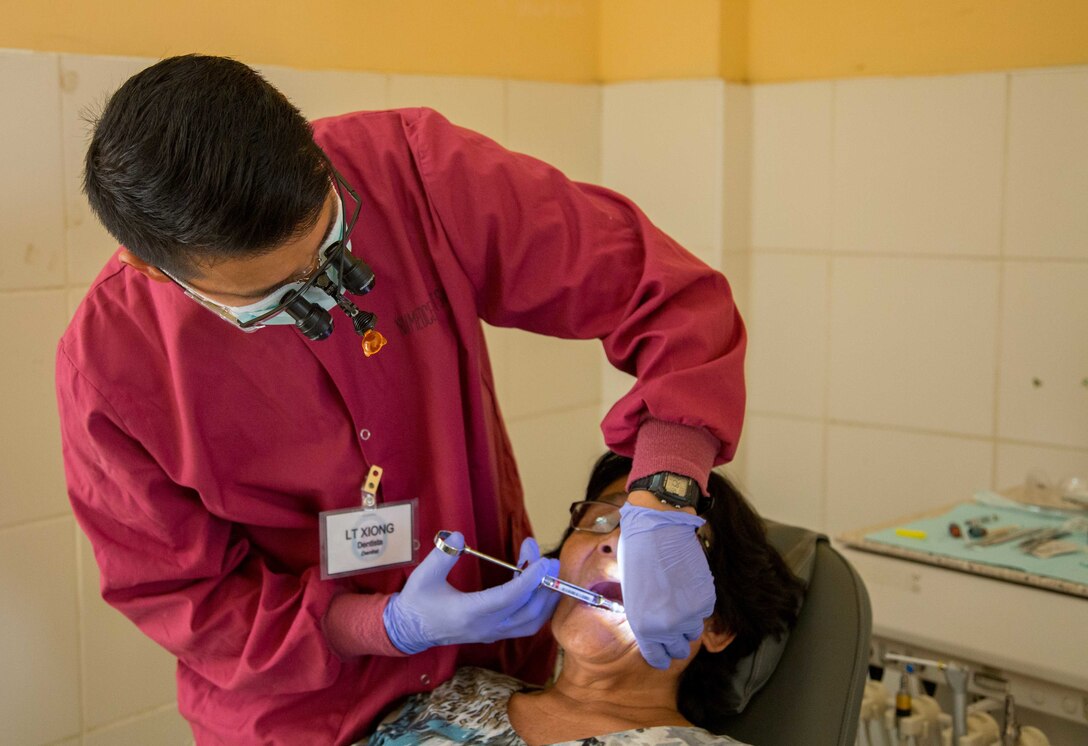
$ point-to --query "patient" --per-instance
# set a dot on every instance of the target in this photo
(605, 692)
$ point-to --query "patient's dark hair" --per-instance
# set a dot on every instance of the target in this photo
(198, 159)
(757, 595)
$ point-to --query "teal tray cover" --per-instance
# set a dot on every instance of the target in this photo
(938, 542)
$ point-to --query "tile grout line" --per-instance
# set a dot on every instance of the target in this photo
(825, 429)
(999, 347)
(568, 409)
(33, 522)
(81, 631)
(65, 207)
(913, 430)
(857, 254)
(829, 278)
(38, 290)
(134, 718)
(505, 111)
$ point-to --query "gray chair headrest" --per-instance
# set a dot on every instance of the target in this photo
(798, 548)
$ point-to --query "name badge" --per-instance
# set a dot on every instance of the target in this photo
(358, 540)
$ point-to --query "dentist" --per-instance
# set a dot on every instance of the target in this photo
(294, 314)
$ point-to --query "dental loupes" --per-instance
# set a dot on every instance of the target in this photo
(552, 583)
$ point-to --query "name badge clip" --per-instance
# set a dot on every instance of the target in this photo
(370, 538)
(370, 488)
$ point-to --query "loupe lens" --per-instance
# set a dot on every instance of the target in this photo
(311, 319)
(358, 278)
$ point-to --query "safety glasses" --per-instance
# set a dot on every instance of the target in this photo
(333, 252)
(324, 260)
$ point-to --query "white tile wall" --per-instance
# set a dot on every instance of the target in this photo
(737, 191)
(913, 342)
(87, 82)
(662, 147)
(476, 103)
(555, 452)
(876, 475)
(1045, 214)
(1056, 465)
(737, 267)
(324, 93)
(544, 374)
(784, 468)
(74, 297)
(737, 138)
(792, 165)
(1044, 355)
(31, 473)
(934, 336)
(39, 680)
(124, 673)
(498, 342)
(614, 384)
(787, 351)
(957, 242)
(558, 123)
(32, 252)
(918, 164)
(164, 727)
(737, 469)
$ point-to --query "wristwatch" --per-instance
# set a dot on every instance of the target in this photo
(674, 489)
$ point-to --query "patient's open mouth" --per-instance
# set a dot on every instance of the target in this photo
(609, 589)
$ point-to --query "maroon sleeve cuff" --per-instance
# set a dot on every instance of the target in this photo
(668, 446)
(353, 626)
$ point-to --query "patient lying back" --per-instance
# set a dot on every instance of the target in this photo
(605, 692)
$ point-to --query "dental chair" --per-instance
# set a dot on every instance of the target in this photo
(808, 688)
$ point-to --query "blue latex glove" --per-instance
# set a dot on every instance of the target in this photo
(429, 611)
(668, 589)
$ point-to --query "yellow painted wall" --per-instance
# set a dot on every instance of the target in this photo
(805, 39)
(562, 40)
(526, 39)
(734, 52)
(645, 39)
(574, 40)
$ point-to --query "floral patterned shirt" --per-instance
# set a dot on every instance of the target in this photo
(470, 708)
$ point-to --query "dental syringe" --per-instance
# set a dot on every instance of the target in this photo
(548, 581)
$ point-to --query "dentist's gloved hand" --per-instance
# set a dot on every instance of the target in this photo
(668, 589)
(430, 611)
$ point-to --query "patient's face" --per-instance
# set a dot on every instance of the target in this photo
(589, 560)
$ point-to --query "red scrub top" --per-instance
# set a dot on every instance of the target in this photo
(198, 457)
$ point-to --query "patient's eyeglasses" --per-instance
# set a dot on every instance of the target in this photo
(594, 516)
(600, 517)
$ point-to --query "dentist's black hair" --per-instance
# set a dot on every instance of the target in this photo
(197, 159)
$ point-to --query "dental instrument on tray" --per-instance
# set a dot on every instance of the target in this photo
(548, 581)
(1003, 535)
